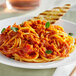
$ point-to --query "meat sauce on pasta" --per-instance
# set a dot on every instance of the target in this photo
(33, 42)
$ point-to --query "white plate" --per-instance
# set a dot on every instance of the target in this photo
(68, 27)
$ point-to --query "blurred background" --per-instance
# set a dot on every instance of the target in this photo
(12, 8)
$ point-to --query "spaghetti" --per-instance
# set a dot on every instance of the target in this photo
(33, 42)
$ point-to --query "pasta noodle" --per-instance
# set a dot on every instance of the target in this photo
(33, 42)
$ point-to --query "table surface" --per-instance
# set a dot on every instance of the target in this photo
(12, 71)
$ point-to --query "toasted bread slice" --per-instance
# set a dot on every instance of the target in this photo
(52, 15)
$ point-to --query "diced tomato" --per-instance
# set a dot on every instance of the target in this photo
(8, 26)
(28, 48)
(75, 40)
(9, 55)
(38, 21)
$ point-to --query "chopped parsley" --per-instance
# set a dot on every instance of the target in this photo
(71, 34)
(3, 30)
(47, 25)
(14, 29)
(49, 51)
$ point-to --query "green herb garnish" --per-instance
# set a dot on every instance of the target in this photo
(47, 25)
(3, 30)
(49, 51)
(14, 29)
(71, 34)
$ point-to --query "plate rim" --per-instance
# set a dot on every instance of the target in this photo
(2, 62)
